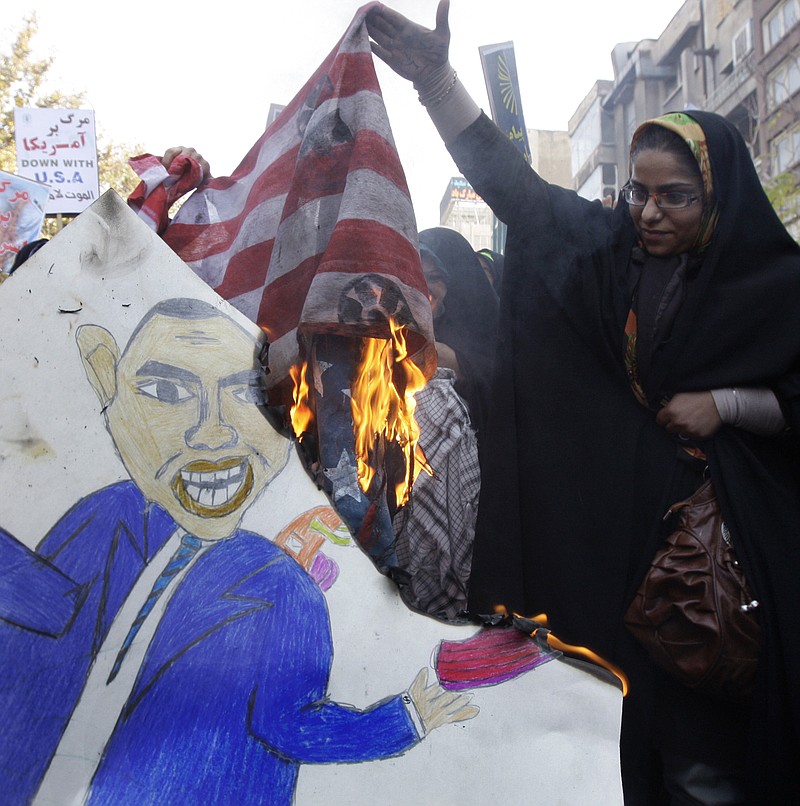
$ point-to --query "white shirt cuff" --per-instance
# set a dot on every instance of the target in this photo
(753, 408)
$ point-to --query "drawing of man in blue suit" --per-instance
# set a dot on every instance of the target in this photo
(150, 649)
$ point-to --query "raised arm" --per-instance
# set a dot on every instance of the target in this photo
(420, 55)
(494, 167)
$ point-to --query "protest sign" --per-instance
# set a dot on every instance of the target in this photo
(57, 147)
(22, 204)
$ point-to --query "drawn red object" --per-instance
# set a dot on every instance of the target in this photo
(491, 656)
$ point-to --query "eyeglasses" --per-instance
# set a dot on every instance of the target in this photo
(671, 200)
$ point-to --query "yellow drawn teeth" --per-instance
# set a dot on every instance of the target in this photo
(213, 491)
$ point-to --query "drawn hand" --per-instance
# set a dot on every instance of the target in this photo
(437, 706)
(691, 414)
(411, 50)
(180, 151)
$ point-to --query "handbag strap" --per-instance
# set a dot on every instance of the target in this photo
(702, 495)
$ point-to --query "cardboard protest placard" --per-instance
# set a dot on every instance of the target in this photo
(57, 147)
(184, 617)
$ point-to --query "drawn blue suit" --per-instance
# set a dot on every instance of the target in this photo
(231, 696)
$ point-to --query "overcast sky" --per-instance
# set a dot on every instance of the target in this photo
(177, 73)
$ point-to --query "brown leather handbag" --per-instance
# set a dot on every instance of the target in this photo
(694, 612)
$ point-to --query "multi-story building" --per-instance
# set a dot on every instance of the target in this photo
(463, 210)
(592, 139)
(777, 58)
(738, 58)
(730, 64)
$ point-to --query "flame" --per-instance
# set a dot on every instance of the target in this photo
(301, 413)
(573, 650)
(383, 406)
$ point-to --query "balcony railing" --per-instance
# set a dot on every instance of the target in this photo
(741, 73)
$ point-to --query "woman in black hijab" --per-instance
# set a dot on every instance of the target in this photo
(492, 263)
(465, 321)
(626, 336)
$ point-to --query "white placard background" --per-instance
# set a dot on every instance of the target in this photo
(550, 736)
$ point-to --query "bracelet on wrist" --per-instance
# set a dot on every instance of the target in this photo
(435, 100)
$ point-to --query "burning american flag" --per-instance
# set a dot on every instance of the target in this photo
(314, 235)
(315, 231)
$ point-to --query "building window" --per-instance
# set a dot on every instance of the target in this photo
(742, 44)
(785, 151)
(587, 137)
(629, 120)
(783, 82)
(592, 188)
(777, 24)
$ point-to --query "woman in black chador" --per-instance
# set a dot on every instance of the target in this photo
(639, 348)
(465, 322)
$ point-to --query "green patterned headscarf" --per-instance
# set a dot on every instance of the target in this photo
(690, 131)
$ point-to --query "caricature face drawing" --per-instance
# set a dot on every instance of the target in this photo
(182, 406)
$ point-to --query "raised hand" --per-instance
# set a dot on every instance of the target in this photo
(412, 51)
(182, 151)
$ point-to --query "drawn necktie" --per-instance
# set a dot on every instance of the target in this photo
(187, 549)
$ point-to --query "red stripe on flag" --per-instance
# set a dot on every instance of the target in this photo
(282, 304)
(360, 244)
(319, 173)
(196, 241)
(351, 73)
(325, 172)
(247, 270)
(357, 247)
